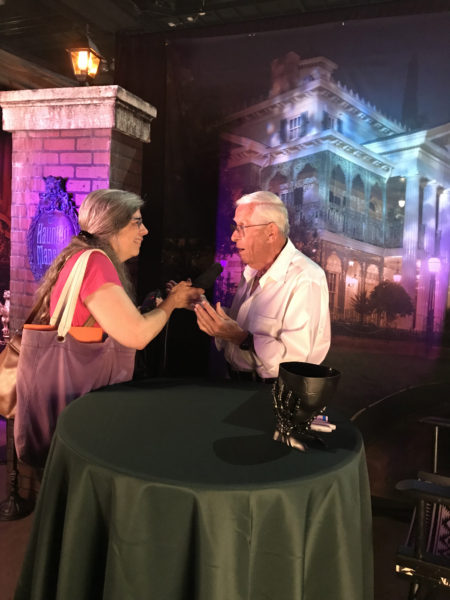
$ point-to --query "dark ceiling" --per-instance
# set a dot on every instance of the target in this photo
(40, 30)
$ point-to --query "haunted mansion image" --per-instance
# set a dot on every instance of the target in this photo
(53, 225)
(368, 196)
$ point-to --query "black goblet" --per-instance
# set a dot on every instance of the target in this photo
(301, 392)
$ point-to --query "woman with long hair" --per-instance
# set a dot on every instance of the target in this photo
(110, 220)
(62, 356)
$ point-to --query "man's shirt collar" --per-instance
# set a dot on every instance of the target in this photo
(277, 271)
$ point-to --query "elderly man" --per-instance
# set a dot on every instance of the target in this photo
(280, 310)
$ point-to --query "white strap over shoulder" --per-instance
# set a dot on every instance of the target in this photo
(70, 292)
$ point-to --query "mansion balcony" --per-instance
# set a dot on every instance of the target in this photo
(360, 226)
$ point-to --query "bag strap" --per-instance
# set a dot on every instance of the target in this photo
(72, 284)
(36, 308)
(65, 308)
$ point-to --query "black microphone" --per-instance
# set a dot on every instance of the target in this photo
(208, 277)
(205, 281)
(150, 301)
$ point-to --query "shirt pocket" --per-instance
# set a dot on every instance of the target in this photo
(262, 325)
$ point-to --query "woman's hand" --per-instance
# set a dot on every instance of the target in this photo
(183, 295)
(170, 285)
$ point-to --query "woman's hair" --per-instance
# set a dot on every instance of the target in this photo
(102, 214)
(269, 208)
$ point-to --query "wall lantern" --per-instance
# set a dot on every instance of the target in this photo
(85, 57)
(401, 203)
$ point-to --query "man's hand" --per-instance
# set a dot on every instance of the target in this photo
(217, 323)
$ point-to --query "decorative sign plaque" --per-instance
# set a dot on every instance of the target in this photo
(52, 227)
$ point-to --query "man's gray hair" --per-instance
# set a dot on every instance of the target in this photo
(268, 208)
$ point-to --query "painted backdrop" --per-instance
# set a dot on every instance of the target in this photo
(349, 123)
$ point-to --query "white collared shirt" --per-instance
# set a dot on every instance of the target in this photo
(287, 314)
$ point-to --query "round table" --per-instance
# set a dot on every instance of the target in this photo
(175, 490)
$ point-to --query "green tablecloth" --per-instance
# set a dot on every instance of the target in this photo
(176, 491)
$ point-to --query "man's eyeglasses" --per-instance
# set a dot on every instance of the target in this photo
(241, 228)
(138, 221)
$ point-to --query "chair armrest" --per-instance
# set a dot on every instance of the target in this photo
(439, 421)
(425, 490)
(434, 478)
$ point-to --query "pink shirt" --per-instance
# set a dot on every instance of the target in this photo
(99, 270)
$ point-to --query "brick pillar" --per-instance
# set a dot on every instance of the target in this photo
(91, 135)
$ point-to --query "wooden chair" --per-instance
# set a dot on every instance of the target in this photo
(425, 557)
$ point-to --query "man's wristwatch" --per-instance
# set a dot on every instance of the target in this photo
(247, 344)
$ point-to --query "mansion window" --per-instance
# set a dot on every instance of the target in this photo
(298, 126)
(332, 287)
(375, 209)
(298, 196)
(336, 201)
(372, 276)
(330, 122)
(285, 197)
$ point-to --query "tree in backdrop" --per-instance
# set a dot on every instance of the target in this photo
(361, 304)
(391, 300)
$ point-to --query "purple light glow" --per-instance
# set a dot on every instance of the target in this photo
(434, 265)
